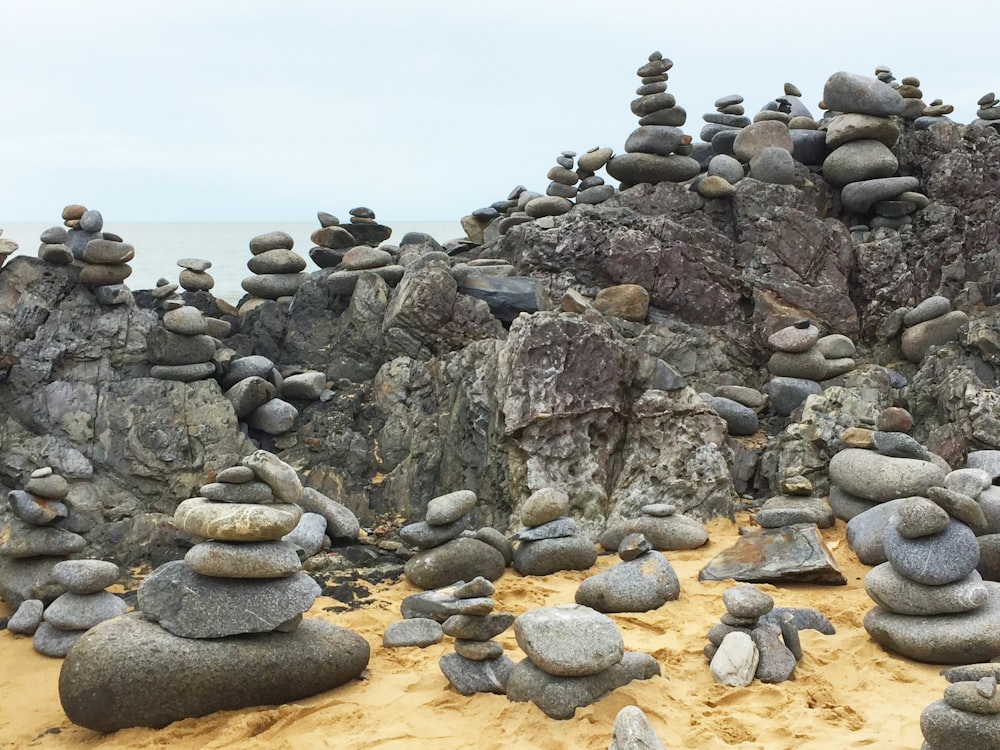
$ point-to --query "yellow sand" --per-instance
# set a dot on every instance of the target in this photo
(847, 692)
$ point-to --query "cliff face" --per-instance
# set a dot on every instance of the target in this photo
(430, 393)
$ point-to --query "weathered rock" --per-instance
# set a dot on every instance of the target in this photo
(872, 476)
(639, 585)
(483, 676)
(790, 553)
(457, 560)
(902, 595)
(417, 631)
(595, 646)
(547, 556)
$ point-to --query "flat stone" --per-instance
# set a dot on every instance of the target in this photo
(279, 260)
(873, 476)
(899, 445)
(51, 641)
(476, 627)
(644, 583)
(858, 197)
(548, 205)
(341, 523)
(276, 559)
(561, 527)
(418, 632)
(747, 602)
(784, 510)
(960, 507)
(19, 539)
(85, 576)
(547, 556)
(35, 510)
(897, 593)
(794, 553)
(849, 92)
(129, 672)
(478, 650)
(933, 560)
(794, 339)
(423, 535)
(636, 168)
(274, 285)
(245, 492)
(240, 368)
(974, 697)
(672, 531)
(236, 522)
(786, 394)
(808, 365)
(282, 478)
(595, 646)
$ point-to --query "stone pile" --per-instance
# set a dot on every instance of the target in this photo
(561, 190)
(7, 248)
(726, 122)
(551, 540)
(365, 229)
(661, 525)
(478, 664)
(969, 714)
(766, 146)
(252, 384)
(181, 347)
(988, 114)
(592, 189)
(644, 580)
(33, 540)
(361, 259)
(808, 140)
(278, 271)
(658, 150)
(236, 598)
(800, 353)
(931, 323)
(194, 276)
(861, 132)
(330, 241)
(103, 257)
(445, 555)
(575, 656)
(755, 641)
(795, 504)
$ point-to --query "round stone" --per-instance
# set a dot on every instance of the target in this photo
(774, 165)
(747, 602)
(447, 508)
(91, 221)
(918, 516)
(543, 506)
(933, 560)
(271, 241)
(83, 611)
(542, 635)
(897, 593)
(794, 339)
(85, 576)
(873, 476)
(279, 260)
(186, 320)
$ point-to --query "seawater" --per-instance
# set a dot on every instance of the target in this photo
(158, 246)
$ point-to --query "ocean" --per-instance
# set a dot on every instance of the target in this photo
(158, 247)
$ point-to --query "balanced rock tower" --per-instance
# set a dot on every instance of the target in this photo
(278, 270)
(969, 714)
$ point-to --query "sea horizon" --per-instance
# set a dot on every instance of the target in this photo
(160, 244)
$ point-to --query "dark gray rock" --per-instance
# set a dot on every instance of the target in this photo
(803, 618)
(35, 510)
(849, 92)
(846, 506)
(477, 628)
(547, 556)
(457, 560)
(960, 507)
(747, 602)
(865, 530)
(19, 539)
(470, 677)
(899, 444)
(933, 560)
(638, 585)
(27, 617)
(307, 536)
(498, 541)
(918, 516)
(83, 611)
(777, 662)
(560, 527)
(596, 643)
(740, 420)
(904, 596)
(947, 728)
(417, 631)
(787, 394)
(128, 672)
(672, 532)
(51, 641)
(439, 605)
(341, 523)
(507, 297)
(785, 510)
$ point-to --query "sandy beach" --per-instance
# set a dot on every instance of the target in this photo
(847, 692)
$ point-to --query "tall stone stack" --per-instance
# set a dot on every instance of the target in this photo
(969, 714)
(181, 348)
(657, 151)
(85, 605)
(105, 256)
(278, 270)
(575, 656)
(592, 189)
(861, 131)
(478, 664)
(722, 126)
(930, 323)
(551, 540)
(445, 555)
(801, 359)
(33, 542)
(985, 465)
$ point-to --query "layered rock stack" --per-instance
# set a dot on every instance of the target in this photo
(661, 525)
(800, 353)
(330, 241)
(766, 146)
(795, 504)
(445, 555)
(575, 656)
(478, 664)
(808, 141)
(560, 192)
(644, 580)
(592, 189)
(32, 541)
(103, 256)
(181, 347)
(194, 276)
(726, 122)
(931, 323)
(85, 605)
(365, 229)
(933, 606)
(751, 644)
(861, 131)
(278, 270)
(551, 540)
(658, 150)
(362, 259)
(988, 114)
(251, 384)
(969, 714)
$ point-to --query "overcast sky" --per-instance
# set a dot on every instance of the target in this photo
(243, 110)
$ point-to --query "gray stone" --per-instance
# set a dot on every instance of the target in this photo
(35, 510)
(901, 595)
(28, 578)
(740, 419)
(236, 522)
(560, 527)
(547, 205)
(271, 241)
(307, 536)
(918, 516)
(853, 126)
(969, 482)
(930, 308)
(787, 394)
(477, 627)
(544, 505)
(185, 321)
(275, 417)
(52, 641)
(989, 503)
(168, 348)
(279, 260)
(802, 618)
(445, 509)
(873, 476)
(245, 367)
(644, 583)
(469, 677)
(424, 536)
(274, 285)
(83, 611)
(418, 632)
(865, 530)
(933, 560)
(245, 492)
(247, 560)
(27, 617)
(899, 445)
(341, 523)
(248, 394)
(85, 576)
(52, 486)
(129, 672)
(631, 731)
(794, 553)
(753, 139)
(633, 546)
(654, 139)
(747, 602)
(477, 587)
(673, 531)
(858, 161)
(989, 557)
(858, 197)
(776, 661)
(478, 650)
(973, 672)
(917, 340)
(633, 169)
(457, 560)
(794, 339)
(773, 164)
(784, 510)
(195, 606)
(726, 167)
(836, 346)
(547, 556)
(498, 541)
(596, 643)
(974, 697)
(19, 539)
(735, 662)
(269, 468)
(846, 506)
(304, 386)
(987, 460)
(849, 92)
(960, 507)
(183, 373)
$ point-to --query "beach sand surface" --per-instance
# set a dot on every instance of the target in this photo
(847, 692)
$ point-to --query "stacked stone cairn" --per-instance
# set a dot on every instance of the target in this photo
(969, 714)
(365, 229)
(808, 141)
(551, 540)
(988, 114)
(985, 465)
(362, 259)
(754, 640)
(103, 257)
(795, 504)
(34, 540)
(644, 580)
(7, 248)
(723, 169)
(575, 656)
(861, 132)
(85, 604)
(931, 323)
(252, 384)
(661, 525)
(194, 275)
(560, 192)
(181, 347)
(278, 270)
(478, 664)
(801, 359)
(445, 554)
(658, 150)
(330, 241)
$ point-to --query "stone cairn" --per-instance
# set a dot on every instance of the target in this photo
(103, 257)
(754, 640)
(988, 114)
(261, 396)
(658, 150)
(445, 555)
(922, 115)
(643, 581)
(795, 504)
(7, 248)
(478, 664)
(278, 271)
(930, 323)
(861, 132)
(575, 656)
(194, 275)
(969, 714)
(560, 192)
(362, 259)
(801, 360)
(34, 540)
(330, 241)
(183, 346)
(661, 525)
(551, 541)
(723, 169)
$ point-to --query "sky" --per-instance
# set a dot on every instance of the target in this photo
(253, 110)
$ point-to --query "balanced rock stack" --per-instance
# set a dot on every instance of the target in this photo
(85, 605)
(330, 241)
(359, 260)
(644, 580)
(800, 353)
(575, 656)
(728, 119)
(181, 347)
(551, 541)
(661, 525)
(795, 504)
(808, 141)
(103, 256)
(445, 555)
(988, 114)
(931, 323)
(278, 270)
(32, 542)
(365, 229)
(561, 189)
(723, 169)
(592, 187)
(749, 643)
(969, 714)
(195, 276)
(7, 248)
(251, 384)
(861, 131)
(478, 664)
(657, 151)
(933, 606)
